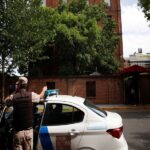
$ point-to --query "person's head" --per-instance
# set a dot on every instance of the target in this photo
(22, 83)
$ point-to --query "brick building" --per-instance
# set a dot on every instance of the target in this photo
(110, 89)
(113, 11)
(99, 89)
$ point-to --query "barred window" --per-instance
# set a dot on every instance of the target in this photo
(90, 89)
(44, 2)
(50, 85)
(108, 2)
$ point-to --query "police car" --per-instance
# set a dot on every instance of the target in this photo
(65, 122)
(74, 123)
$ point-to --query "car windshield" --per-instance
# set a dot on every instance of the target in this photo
(95, 108)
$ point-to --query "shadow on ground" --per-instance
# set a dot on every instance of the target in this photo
(134, 114)
(136, 128)
(142, 143)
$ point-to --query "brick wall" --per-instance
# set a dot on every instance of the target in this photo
(52, 3)
(109, 89)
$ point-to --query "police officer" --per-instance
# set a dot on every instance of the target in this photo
(21, 100)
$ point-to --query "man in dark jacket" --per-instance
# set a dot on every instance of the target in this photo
(22, 100)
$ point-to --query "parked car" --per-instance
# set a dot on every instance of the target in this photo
(65, 122)
(74, 123)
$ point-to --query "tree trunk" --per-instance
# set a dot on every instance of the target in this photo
(3, 80)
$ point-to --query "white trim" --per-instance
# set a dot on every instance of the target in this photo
(108, 2)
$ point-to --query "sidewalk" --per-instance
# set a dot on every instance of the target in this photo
(123, 107)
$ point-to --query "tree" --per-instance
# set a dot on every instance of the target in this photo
(145, 5)
(85, 38)
(24, 31)
(84, 41)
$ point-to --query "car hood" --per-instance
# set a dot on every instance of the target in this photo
(113, 120)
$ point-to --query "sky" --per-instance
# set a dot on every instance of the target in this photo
(135, 28)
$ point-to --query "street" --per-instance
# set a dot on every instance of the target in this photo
(136, 128)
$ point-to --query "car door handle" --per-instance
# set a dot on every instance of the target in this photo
(74, 132)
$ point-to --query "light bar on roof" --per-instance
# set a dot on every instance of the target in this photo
(51, 92)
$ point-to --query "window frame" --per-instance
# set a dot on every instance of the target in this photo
(51, 85)
(43, 2)
(62, 124)
(90, 90)
(108, 2)
(90, 105)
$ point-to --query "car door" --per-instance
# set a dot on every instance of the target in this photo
(6, 128)
(62, 127)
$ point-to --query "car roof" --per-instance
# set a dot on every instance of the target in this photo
(66, 98)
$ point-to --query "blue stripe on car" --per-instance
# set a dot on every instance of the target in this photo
(45, 139)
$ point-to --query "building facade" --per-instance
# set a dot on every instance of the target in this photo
(113, 11)
(100, 89)
(140, 59)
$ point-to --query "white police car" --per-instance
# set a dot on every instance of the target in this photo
(74, 123)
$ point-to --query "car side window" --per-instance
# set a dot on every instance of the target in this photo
(61, 114)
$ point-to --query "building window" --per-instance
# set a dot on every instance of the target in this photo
(87, 2)
(65, 1)
(109, 17)
(90, 89)
(50, 85)
(44, 2)
(108, 2)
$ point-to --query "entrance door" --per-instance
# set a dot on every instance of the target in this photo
(131, 90)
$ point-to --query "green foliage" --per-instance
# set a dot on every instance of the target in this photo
(85, 38)
(81, 34)
(145, 5)
(24, 31)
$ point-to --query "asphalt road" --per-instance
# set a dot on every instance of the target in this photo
(136, 128)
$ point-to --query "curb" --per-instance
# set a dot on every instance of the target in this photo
(134, 107)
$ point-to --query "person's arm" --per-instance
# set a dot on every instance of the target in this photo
(36, 98)
(9, 100)
(43, 92)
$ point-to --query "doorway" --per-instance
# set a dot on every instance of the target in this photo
(131, 90)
